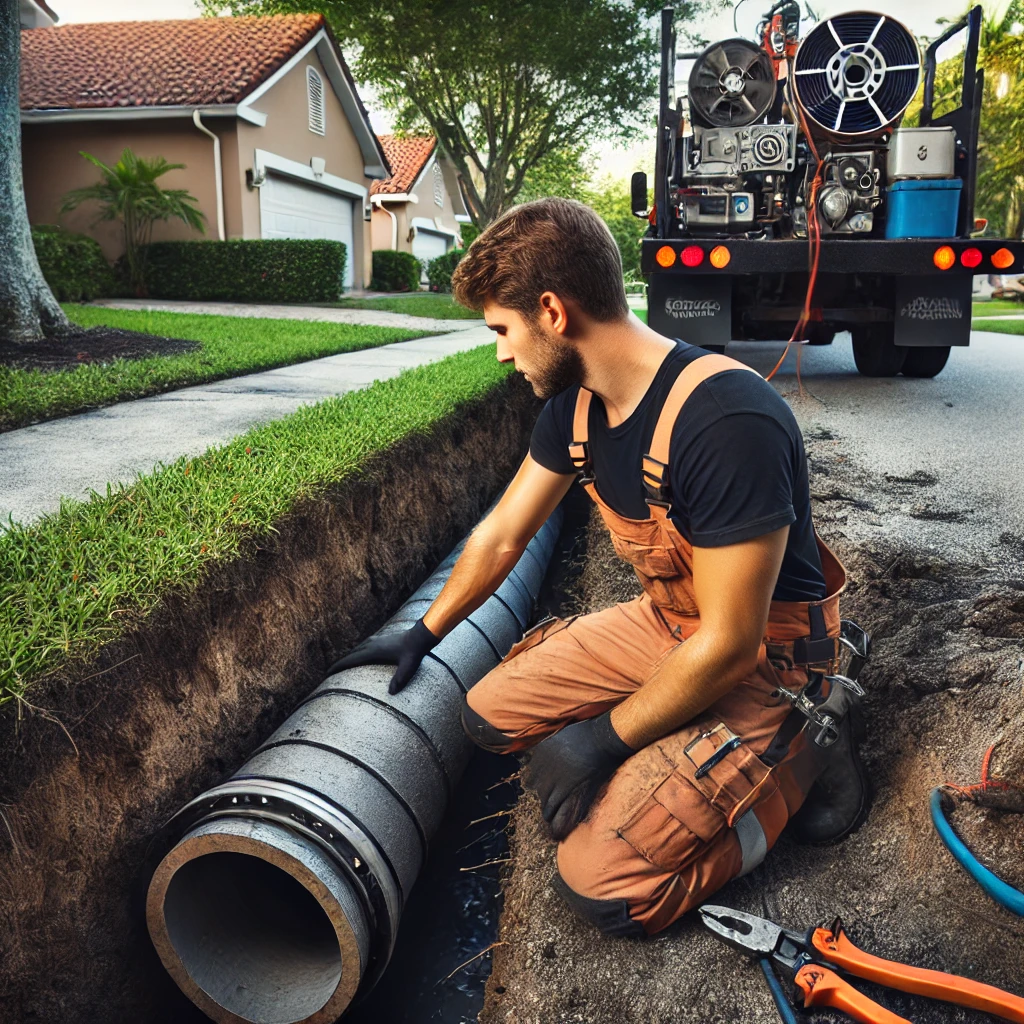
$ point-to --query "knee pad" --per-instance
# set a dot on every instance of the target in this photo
(609, 916)
(482, 733)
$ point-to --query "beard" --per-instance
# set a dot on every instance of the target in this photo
(559, 366)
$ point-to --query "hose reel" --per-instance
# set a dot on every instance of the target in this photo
(855, 74)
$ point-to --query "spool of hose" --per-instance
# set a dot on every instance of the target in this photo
(855, 74)
(732, 84)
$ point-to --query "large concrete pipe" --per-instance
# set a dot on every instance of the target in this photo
(281, 898)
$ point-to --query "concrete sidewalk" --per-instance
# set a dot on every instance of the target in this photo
(328, 314)
(67, 457)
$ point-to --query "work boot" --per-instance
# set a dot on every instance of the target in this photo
(839, 800)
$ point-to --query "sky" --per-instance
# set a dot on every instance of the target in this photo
(619, 161)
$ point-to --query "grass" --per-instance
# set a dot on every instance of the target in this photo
(443, 307)
(231, 346)
(996, 307)
(80, 577)
(999, 326)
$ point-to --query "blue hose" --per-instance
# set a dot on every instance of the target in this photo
(1000, 891)
(781, 1002)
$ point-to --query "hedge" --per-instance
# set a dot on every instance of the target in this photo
(74, 265)
(247, 270)
(469, 233)
(83, 576)
(440, 270)
(395, 271)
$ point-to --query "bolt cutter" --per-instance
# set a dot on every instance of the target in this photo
(812, 958)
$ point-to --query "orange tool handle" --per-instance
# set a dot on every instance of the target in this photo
(841, 952)
(822, 987)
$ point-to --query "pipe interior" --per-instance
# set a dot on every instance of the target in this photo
(252, 937)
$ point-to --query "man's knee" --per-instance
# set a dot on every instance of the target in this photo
(610, 916)
(482, 733)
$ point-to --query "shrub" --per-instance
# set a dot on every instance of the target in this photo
(395, 271)
(247, 270)
(74, 265)
(440, 270)
(469, 233)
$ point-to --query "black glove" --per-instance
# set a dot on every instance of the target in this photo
(406, 650)
(568, 769)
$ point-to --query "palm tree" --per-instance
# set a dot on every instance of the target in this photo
(129, 191)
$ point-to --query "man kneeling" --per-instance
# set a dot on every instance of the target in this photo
(663, 747)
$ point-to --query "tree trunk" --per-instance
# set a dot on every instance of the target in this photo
(28, 310)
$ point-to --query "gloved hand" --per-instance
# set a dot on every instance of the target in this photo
(406, 650)
(568, 769)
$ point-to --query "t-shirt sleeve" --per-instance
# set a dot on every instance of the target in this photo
(736, 478)
(549, 443)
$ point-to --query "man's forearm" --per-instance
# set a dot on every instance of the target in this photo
(690, 679)
(480, 570)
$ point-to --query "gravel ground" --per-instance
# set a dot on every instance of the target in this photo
(944, 683)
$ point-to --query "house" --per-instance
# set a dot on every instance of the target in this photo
(419, 208)
(262, 111)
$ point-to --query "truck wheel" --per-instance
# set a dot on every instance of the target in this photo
(874, 351)
(926, 361)
(820, 334)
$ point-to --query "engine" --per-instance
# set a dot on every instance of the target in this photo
(776, 127)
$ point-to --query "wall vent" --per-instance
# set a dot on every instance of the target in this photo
(315, 89)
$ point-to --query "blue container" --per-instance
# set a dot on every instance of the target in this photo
(923, 208)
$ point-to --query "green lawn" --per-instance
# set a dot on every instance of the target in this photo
(997, 307)
(231, 346)
(999, 326)
(81, 577)
(441, 306)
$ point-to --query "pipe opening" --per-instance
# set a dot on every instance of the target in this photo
(252, 937)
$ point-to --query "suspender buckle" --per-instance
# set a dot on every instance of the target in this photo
(655, 482)
(579, 453)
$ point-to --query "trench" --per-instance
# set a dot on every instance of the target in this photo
(119, 744)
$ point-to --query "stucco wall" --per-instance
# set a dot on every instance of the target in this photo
(287, 134)
(52, 166)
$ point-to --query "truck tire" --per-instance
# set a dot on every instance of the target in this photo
(819, 334)
(926, 361)
(874, 351)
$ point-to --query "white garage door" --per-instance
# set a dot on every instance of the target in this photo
(428, 244)
(291, 209)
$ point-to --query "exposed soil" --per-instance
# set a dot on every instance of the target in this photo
(113, 748)
(946, 680)
(94, 345)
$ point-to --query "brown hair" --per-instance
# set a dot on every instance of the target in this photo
(552, 244)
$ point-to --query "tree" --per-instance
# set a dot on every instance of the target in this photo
(503, 84)
(999, 191)
(129, 191)
(28, 310)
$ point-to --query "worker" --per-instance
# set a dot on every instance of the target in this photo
(665, 753)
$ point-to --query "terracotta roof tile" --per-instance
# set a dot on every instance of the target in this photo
(407, 158)
(156, 63)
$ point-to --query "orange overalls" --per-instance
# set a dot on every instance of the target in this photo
(671, 826)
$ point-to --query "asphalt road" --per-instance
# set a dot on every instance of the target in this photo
(965, 428)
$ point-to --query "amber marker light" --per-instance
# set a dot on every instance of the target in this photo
(970, 257)
(692, 256)
(719, 257)
(1002, 259)
(944, 257)
(665, 256)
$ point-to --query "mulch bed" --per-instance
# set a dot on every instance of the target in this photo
(94, 345)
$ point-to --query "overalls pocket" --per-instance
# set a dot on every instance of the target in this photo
(712, 780)
(652, 560)
(538, 633)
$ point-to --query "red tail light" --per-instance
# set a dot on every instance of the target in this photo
(971, 257)
(692, 256)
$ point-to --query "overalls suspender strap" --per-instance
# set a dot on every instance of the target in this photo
(655, 463)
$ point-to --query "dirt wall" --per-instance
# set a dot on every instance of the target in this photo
(945, 681)
(110, 750)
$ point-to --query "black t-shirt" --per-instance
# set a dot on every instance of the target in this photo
(737, 466)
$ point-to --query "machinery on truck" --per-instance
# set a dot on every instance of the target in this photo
(790, 203)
